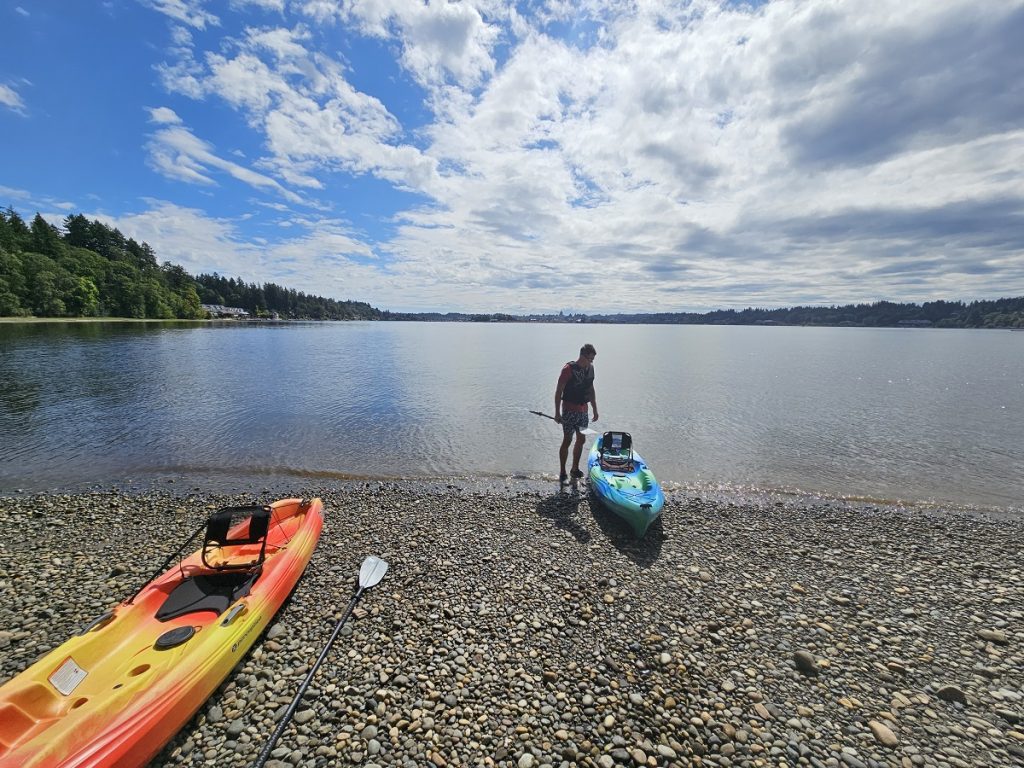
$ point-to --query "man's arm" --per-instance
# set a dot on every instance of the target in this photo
(563, 379)
(593, 402)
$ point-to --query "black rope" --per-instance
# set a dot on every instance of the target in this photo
(167, 562)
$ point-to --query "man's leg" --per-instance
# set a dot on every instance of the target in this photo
(563, 452)
(577, 453)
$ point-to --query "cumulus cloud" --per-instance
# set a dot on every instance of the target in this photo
(323, 256)
(439, 39)
(656, 156)
(312, 119)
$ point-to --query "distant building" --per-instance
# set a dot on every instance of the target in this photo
(219, 310)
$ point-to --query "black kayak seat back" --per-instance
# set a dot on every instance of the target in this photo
(206, 592)
(218, 535)
(617, 451)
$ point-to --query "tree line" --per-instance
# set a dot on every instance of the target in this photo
(997, 313)
(269, 299)
(88, 269)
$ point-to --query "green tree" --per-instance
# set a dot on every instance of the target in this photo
(10, 304)
(12, 273)
(14, 234)
(122, 293)
(45, 296)
(46, 238)
(186, 301)
(82, 297)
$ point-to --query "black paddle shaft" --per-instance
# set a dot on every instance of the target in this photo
(290, 712)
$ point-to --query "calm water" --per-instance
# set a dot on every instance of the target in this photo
(912, 415)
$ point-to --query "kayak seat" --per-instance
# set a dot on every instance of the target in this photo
(228, 535)
(206, 592)
(616, 452)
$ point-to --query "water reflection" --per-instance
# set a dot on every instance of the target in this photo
(883, 414)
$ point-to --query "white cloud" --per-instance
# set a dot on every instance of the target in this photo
(656, 156)
(182, 76)
(10, 99)
(14, 193)
(266, 5)
(189, 12)
(164, 116)
(22, 11)
(666, 154)
(322, 258)
(177, 153)
(438, 38)
(188, 237)
(311, 117)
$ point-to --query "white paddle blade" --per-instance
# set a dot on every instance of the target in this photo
(372, 571)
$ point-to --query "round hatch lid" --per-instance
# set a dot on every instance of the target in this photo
(173, 637)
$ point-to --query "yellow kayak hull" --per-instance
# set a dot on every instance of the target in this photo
(115, 694)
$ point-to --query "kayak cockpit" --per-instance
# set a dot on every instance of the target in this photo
(233, 552)
(206, 592)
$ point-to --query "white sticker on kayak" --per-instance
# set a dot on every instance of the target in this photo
(67, 677)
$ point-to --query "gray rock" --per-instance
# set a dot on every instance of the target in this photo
(951, 693)
(304, 716)
(996, 636)
(806, 663)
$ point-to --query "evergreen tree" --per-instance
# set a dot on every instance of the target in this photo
(14, 233)
(46, 238)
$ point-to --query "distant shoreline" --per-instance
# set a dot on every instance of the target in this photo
(226, 321)
(96, 320)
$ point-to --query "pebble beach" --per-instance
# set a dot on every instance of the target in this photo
(528, 628)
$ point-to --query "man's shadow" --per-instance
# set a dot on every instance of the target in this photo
(645, 551)
(562, 509)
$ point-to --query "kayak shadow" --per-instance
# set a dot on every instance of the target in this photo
(643, 552)
(563, 509)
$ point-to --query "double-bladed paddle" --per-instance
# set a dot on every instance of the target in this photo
(587, 431)
(370, 573)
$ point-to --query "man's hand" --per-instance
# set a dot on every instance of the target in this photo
(558, 417)
(595, 415)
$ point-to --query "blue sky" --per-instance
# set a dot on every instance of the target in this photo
(534, 156)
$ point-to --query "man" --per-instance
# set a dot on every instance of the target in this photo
(574, 391)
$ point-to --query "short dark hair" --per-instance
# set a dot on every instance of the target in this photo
(587, 350)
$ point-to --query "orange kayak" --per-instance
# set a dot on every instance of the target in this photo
(115, 694)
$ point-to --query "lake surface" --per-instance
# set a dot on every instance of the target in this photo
(880, 414)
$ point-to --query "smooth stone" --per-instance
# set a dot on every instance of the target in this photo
(883, 734)
(952, 694)
(996, 636)
(304, 716)
(805, 663)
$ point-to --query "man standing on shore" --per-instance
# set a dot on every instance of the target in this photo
(574, 391)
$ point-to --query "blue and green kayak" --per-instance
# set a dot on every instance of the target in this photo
(622, 482)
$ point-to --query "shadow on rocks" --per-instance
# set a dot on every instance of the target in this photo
(563, 510)
(643, 552)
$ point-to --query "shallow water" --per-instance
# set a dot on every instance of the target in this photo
(877, 414)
